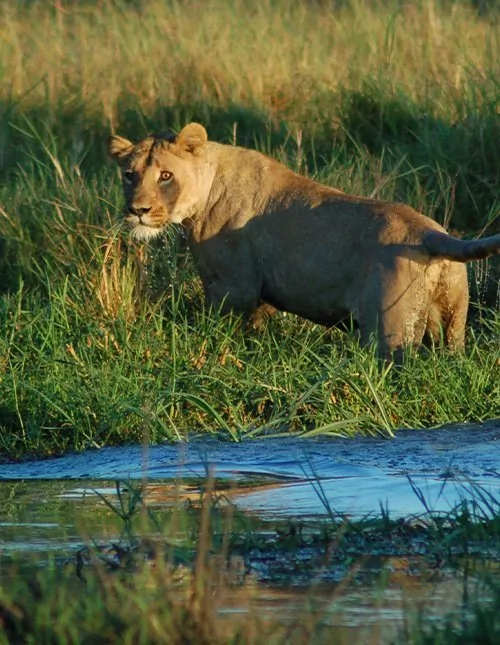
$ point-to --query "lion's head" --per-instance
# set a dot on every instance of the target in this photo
(164, 178)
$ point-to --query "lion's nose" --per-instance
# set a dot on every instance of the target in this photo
(139, 211)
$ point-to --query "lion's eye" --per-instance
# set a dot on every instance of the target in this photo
(128, 176)
(165, 177)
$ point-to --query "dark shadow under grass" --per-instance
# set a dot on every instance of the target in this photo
(462, 152)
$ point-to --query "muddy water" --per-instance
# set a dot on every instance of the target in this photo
(49, 506)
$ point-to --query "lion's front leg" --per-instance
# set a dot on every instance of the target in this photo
(225, 297)
(260, 316)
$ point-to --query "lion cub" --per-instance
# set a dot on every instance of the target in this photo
(260, 233)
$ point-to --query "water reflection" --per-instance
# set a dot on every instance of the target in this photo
(51, 507)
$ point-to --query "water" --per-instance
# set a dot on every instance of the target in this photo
(357, 475)
(49, 507)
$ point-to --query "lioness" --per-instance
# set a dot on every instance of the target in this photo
(260, 233)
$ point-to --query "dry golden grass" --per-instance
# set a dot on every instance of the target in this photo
(276, 56)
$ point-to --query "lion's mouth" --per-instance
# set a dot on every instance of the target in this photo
(145, 232)
(141, 227)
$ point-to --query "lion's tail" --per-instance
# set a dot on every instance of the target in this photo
(441, 245)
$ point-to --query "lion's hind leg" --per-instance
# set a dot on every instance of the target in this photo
(394, 311)
(448, 312)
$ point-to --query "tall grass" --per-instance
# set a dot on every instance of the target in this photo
(105, 341)
(418, 79)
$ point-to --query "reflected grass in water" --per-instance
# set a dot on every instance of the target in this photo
(218, 576)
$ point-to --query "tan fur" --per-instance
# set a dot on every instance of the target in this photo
(260, 233)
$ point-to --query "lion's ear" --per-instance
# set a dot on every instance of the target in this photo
(118, 147)
(192, 137)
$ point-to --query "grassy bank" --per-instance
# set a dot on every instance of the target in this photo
(104, 342)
